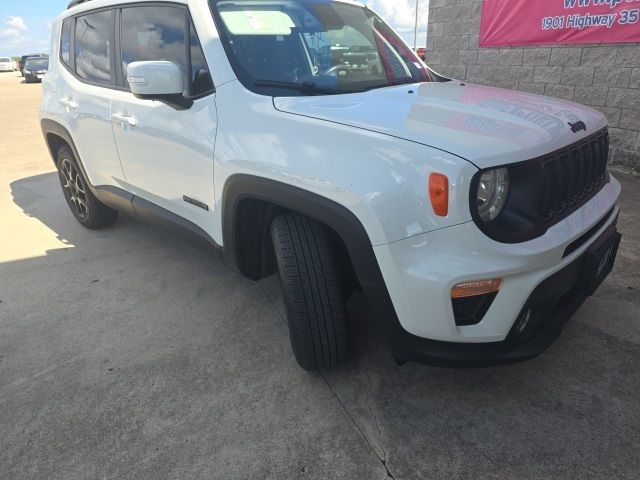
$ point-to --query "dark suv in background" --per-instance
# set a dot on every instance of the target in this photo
(24, 58)
(35, 69)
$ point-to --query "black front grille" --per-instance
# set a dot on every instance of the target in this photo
(546, 190)
(573, 176)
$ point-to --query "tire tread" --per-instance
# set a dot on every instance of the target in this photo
(311, 290)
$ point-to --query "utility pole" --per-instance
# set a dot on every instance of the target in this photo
(426, 40)
(415, 32)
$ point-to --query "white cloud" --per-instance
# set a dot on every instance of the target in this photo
(16, 23)
(14, 32)
(401, 15)
(16, 39)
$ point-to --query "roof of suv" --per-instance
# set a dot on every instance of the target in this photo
(81, 5)
(73, 3)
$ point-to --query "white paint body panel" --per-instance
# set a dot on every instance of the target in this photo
(487, 126)
(370, 152)
(168, 153)
(381, 179)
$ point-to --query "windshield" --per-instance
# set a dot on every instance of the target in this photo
(38, 64)
(5, 60)
(313, 47)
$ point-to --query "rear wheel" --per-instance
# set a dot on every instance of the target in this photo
(311, 289)
(88, 210)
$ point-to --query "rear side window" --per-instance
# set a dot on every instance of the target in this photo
(65, 41)
(162, 33)
(93, 47)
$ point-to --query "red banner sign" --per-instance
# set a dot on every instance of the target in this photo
(554, 22)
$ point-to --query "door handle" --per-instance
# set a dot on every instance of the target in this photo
(70, 104)
(124, 120)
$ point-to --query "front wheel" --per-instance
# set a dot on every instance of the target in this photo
(86, 208)
(311, 289)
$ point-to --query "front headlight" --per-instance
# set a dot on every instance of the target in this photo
(493, 191)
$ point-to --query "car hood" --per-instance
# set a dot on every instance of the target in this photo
(484, 125)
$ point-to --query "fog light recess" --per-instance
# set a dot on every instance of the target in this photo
(471, 300)
(523, 321)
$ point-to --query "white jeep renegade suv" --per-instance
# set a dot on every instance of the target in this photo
(304, 137)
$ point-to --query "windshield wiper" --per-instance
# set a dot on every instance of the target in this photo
(304, 87)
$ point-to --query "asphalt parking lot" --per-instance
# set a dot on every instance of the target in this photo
(130, 353)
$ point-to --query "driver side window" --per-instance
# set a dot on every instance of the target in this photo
(162, 33)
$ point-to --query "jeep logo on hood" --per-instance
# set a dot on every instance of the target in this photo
(578, 126)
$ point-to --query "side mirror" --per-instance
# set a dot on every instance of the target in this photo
(158, 80)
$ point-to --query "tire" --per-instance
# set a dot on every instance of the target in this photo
(311, 290)
(85, 207)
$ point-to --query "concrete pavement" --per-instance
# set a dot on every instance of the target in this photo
(130, 353)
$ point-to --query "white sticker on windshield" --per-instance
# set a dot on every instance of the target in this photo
(257, 22)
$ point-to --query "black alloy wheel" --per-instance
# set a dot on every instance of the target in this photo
(74, 188)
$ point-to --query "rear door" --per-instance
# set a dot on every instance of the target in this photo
(167, 153)
(84, 91)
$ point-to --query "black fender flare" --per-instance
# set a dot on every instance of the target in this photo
(112, 196)
(240, 187)
(51, 127)
(335, 216)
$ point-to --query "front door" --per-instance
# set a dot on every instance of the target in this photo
(167, 153)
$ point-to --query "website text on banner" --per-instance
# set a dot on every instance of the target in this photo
(553, 22)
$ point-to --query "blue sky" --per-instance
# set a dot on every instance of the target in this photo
(25, 25)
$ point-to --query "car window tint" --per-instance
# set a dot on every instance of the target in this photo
(154, 33)
(65, 41)
(93, 46)
(38, 64)
(345, 47)
(200, 74)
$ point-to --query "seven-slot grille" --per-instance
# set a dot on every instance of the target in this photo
(574, 176)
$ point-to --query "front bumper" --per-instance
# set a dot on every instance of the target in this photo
(551, 306)
(420, 272)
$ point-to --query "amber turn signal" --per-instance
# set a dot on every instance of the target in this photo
(439, 194)
(472, 289)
